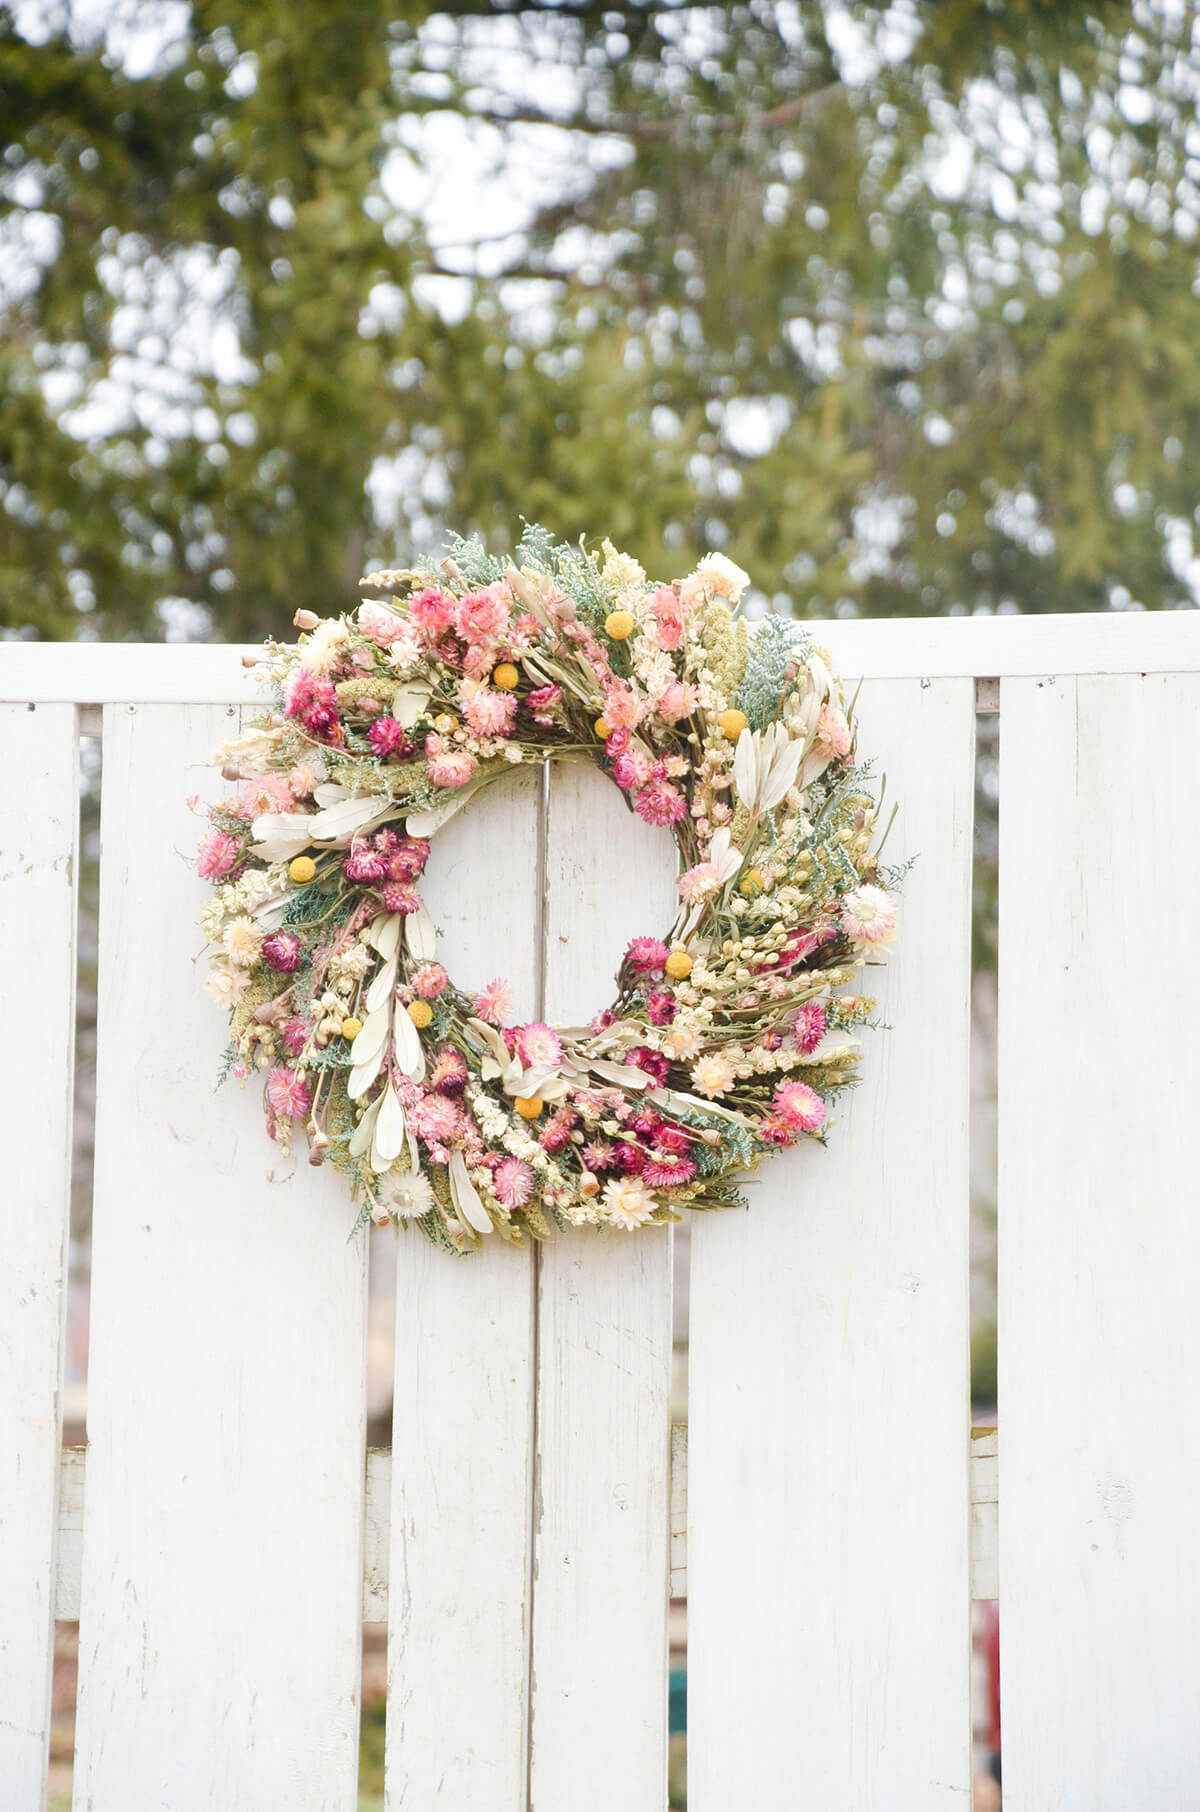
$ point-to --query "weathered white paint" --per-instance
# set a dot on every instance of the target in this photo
(39, 833)
(828, 1637)
(599, 1733)
(224, 1290)
(68, 1558)
(1160, 641)
(1099, 1242)
(985, 1497)
(458, 1656)
(377, 1534)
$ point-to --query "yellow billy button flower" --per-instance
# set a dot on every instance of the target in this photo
(420, 1012)
(506, 677)
(529, 1107)
(732, 723)
(678, 965)
(302, 869)
(602, 729)
(620, 625)
(752, 883)
(445, 723)
(351, 1027)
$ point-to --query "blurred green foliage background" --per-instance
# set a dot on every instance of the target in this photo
(895, 303)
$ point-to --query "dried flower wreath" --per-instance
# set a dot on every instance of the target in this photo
(727, 1038)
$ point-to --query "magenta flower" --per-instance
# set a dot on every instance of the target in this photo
(399, 898)
(651, 1063)
(432, 613)
(295, 1036)
(364, 866)
(661, 1007)
(808, 1027)
(646, 955)
(449, 1073)
(390, 740)
(667, 1172)
(543, 705)
(313, 703)
(283, 950)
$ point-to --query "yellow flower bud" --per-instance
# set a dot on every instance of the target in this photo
(445, 723)
(732, 723)
(420, 1012)
(506, 677)
(678, 965)
(528, 1107)
(302, 869)
(351, 1027)
(752, 883)
(603, 730)
(620, 625)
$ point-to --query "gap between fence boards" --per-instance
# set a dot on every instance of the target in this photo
(983, 1524)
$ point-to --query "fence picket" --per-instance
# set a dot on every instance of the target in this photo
(458, 1654)
(599, 1731)
(38, 860)
(226, 1297)
(1099, 1242)
(828, 1378)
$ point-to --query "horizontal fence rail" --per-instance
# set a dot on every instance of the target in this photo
(827, 1511)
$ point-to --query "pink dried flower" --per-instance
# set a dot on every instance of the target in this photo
(449, 1073)
(313, 703)
(599, 1154)
(490, 713)
(429, 981)
(801, 945)
(390, 740)
(294, 1035)
(800, 1106)
(265, 793)
(660, 803)
(494, 1003)
(432, 613)
(283, 950)
(364, 865)
(668, 618)
(538, 1045)
(409, 859)
(651, 1063)
(629, 1158)
(603, 1019)
(399, 898)
(776, 1131)
(700, 882)
(661, 1007)
(673, 1139)
(646, 955)
(632, 769)
(435, 1118)
(384, 626)
(482, 616)
(543, 705)
(622, 708)
(667, 1172)
(555, 1136)
(288, 1094)
(676, 702)
(808, 1027)
(449, 767)
(301, 780)
(512, 1183)
(219, 853)
(870, 916)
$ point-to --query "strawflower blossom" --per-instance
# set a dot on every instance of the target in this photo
(218, 855)
(435, 1118)
(288, 1093)
(449, 1073)
(667, 1172)
(482, 615)
(512, 1183)
(390, 740)
(284, 951)
(429, 980)
(225, 984)
(660, 1007)
(490, 713)
(646, 955)
(869, 916)
(399, 898)
(808, 1028)
(432, 613)
(713, 1075)
(800, 1106)
(627, 1204)
(243, 942)
(410, 1195)
(660, 803)
(494, 1003)
(449, 767)
(538, 1045)
(543, 705)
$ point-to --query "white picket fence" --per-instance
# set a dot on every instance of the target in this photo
(523, 1539)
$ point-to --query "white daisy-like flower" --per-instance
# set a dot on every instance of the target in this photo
(243, 942)
(323, 649)
(713, 1075)
(411, 1195)
(869, 916)
(680, 1040)
(627, 1203)
(718, 574)
(225, 984)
